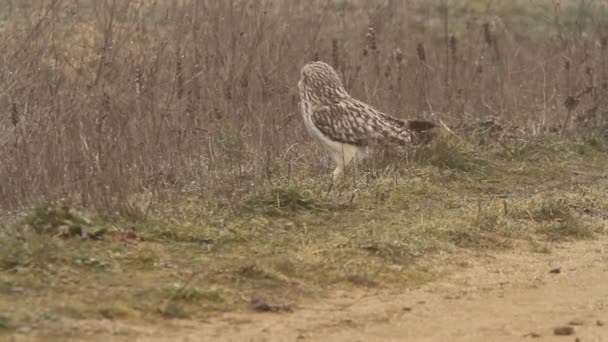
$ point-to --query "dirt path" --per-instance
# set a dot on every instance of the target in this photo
(504, 297)
(500, 298)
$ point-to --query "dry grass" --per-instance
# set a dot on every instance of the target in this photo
(298, 239)
(101, 100)
(161, 148)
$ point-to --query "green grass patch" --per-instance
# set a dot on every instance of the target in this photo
(5, 323)
(299, 237)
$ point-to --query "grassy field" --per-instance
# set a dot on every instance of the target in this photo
(301, 238)
(153, 163)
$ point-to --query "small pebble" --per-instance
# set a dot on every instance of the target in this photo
(599, 323)
(563, 331)
(576, 322)
(556, 270)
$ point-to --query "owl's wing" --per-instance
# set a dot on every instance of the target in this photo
(358, 124)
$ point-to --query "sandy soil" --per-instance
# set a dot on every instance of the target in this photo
(510, 296)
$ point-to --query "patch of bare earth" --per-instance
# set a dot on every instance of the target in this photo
(506, 296)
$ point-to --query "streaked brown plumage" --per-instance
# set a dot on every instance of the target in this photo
(346, 126)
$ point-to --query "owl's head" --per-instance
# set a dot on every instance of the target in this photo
(319, 82)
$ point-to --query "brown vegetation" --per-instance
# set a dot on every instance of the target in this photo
(102, 99)
(160, 146)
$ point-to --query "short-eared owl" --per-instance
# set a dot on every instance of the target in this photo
(346, 126)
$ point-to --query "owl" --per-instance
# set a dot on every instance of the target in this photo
(345, 126)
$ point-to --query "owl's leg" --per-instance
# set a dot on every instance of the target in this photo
(339, 170)
(343, 157)
(362, 153)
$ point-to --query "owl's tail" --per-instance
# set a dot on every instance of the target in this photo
(423, 131)
(420, 126)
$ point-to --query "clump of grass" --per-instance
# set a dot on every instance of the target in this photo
(487, 220)
(34, 251)
(287, 200)
(286, 266)
(495, 218)
(195, 294)
(50, 216)
(62, 220)
(408, 191)
(566, 230)
(362, 280)
(174, 310)
(259, 272)
(398, 250)
(92, 263)
(541, 248)
(587, 144)
(472, 238)
(551, 209)
(182, 232)
(449, 152)
(73, 310)
(114, 310)
(184, 301)
(5, 323)
(142, 257)
(543, 209)
(524, 151)
(595, 143)
(545, 148)
(40, 252)
(276, 199)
